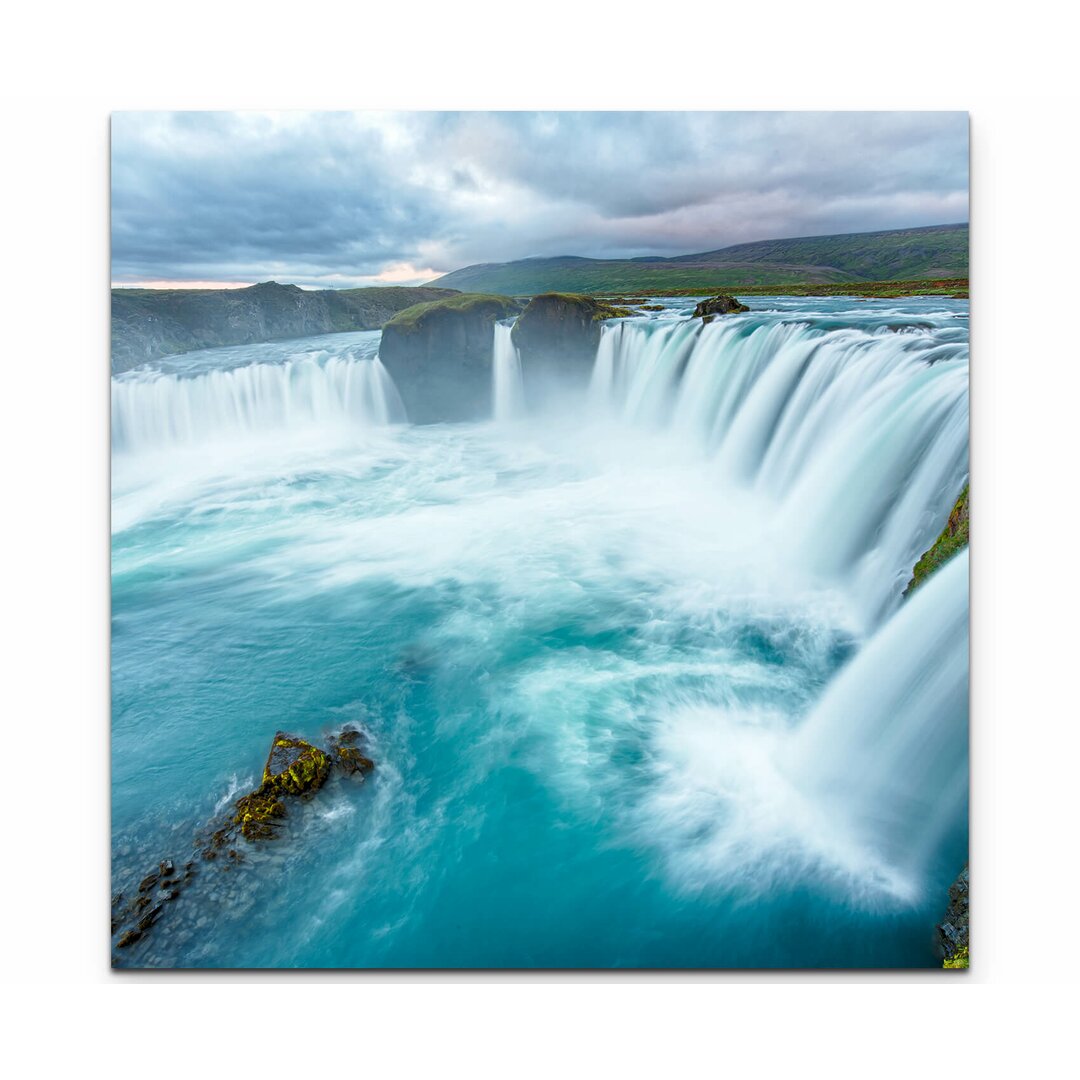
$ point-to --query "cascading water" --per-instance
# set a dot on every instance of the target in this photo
(507, 390)
(154, 409)
(887, 745)
(646, 667)
(857, 435)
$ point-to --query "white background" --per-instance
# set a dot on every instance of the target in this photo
(66, 67)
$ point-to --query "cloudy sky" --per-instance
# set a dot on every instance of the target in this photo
(344, 199)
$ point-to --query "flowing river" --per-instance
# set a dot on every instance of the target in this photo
(636, 672)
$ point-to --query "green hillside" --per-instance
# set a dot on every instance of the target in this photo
(938, 251)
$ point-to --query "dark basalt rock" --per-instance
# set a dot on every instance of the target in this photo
(439, 355)
(718, 305)
(346, 756)
(556, 336)
(953, 930)
(295, 768)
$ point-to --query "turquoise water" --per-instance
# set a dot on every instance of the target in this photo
(579, 648)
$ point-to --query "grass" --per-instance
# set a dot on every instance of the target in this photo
(953, 537)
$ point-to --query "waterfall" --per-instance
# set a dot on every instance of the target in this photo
(887, 745)
(151, 409)
(856, 435)
(507, 391)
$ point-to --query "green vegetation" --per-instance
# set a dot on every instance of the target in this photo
(899, 255)
(959, 959)
(412, 319)
(953, 537)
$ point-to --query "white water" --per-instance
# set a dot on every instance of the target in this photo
(887, 745)
(508, 393)
(856, 438)
(670, 623)
(151, 409)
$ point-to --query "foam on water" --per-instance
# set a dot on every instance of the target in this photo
(635, 673)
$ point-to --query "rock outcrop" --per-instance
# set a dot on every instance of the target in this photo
(148, 324)
(953, 929)
(953, 537)
(295, 768)
(556, 336)
(707, 310)
(440, 353)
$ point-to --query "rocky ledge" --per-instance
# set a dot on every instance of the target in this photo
(439, 355)
(556, 336)
(151, 323)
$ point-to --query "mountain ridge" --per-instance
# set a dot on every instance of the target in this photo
(923, 252)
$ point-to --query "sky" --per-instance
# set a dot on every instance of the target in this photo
(337, 200)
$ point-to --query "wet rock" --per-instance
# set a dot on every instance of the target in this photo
(257, 815)
(150, 918)
(440, 355)
(294, 766)
(718, 305)
(953, 929)
(345, 754)
(149, 882)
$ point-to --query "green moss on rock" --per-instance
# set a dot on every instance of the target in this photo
(959, 959)
(257, 815)
(953, 538)
(294, 766)
(486, 306)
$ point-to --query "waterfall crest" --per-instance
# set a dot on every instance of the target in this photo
(858, 436)
(151, 409)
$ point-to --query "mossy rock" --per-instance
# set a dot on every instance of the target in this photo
(721, 304)
(959, 959)
(257, 815)
(440, 355)
(419, 318)
(294, 766)
(563, 326)
(953, 538)
(953, 930)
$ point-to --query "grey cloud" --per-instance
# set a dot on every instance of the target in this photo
(343, 197)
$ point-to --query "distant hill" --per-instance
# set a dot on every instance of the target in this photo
(936, 251)
(151, 323)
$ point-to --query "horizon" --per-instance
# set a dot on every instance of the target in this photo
(333, 200)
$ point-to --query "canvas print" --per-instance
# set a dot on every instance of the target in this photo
(539, 540)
